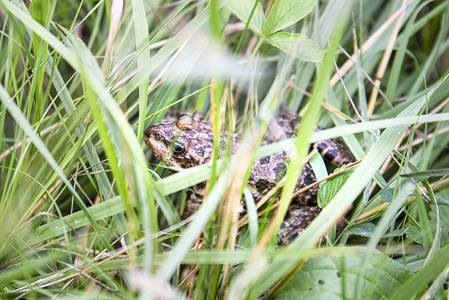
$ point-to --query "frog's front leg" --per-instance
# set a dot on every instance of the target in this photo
(194, 200)
(296, 222)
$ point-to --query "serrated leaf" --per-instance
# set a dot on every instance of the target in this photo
(331, 187)
(338, 277)
(242, 9)
(284, 13)
(298, 45)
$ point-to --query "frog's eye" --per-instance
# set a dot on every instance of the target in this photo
(185, 122)
(158, 136)
(178, 148)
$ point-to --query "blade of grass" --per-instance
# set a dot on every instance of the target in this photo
(41, 12)
(142, 40)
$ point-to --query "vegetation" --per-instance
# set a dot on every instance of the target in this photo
(85, 212)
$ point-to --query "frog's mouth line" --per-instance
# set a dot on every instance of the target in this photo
(171, 161)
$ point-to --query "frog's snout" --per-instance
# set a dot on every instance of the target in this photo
(147, 133)
(148, 136)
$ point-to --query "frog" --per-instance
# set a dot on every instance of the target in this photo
(187, 142)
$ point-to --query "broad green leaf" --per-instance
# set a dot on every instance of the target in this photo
(336, 277)
(296, 44)
(442, 201)
(242, 9)
(284, 13)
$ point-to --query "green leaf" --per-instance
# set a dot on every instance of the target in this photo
(285, 13)
(336, 277)
(302, 47)
(242, 9)
(332, 186)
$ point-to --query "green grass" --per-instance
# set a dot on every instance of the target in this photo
(85, 211)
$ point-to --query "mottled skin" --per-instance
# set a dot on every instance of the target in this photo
(188, 142)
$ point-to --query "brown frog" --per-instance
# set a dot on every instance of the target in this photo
(188, 142)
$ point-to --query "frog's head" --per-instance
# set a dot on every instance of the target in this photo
(185, 143)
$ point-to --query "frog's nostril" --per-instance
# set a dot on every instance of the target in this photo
(158, 136)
